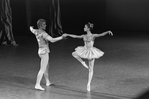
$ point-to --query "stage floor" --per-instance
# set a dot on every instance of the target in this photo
(122, 73)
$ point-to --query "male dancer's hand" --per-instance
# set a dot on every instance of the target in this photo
(31, 27)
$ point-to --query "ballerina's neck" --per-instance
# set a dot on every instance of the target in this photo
(89, 33)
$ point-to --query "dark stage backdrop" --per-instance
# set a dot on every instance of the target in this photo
(116, 15)
(128, 15)
(19, 19)
(76, 13)
(27, 12)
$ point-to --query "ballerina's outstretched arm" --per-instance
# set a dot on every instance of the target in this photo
(74, 36)
(103, 34)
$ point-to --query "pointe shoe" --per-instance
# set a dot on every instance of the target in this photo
(88, 88)
(39, 88)
(84, 64)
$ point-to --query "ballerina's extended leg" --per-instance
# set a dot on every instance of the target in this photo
(79, 59)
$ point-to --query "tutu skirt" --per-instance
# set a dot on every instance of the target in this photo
(88, 53)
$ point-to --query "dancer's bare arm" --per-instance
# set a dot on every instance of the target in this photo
(103, 34)
(75, 36)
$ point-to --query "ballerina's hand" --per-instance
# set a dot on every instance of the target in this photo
(110, 33)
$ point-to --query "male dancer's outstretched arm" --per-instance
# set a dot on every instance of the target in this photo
(48, 37)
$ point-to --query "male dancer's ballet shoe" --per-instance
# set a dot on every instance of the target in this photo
(84, 64)
(39, 88)
(49, 84)
(14, 43)
(88, 88)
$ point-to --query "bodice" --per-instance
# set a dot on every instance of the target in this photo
(88, 41)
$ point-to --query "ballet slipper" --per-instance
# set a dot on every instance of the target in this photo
(14, 43)
(38, 87)
(49, 84)
(88, 88)
(84, 64)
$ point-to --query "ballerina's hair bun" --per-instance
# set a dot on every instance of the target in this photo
(90, 25)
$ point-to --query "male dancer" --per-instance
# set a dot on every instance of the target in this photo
(43, 52)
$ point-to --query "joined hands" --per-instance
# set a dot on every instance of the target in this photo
(64, 35)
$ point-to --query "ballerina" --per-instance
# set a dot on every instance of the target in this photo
(88, 51)
(43, 51)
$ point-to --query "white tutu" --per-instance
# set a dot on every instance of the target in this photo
(88, 53)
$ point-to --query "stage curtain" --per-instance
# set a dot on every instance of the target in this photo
(6, 34)
(48, 10)
(55, 28)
